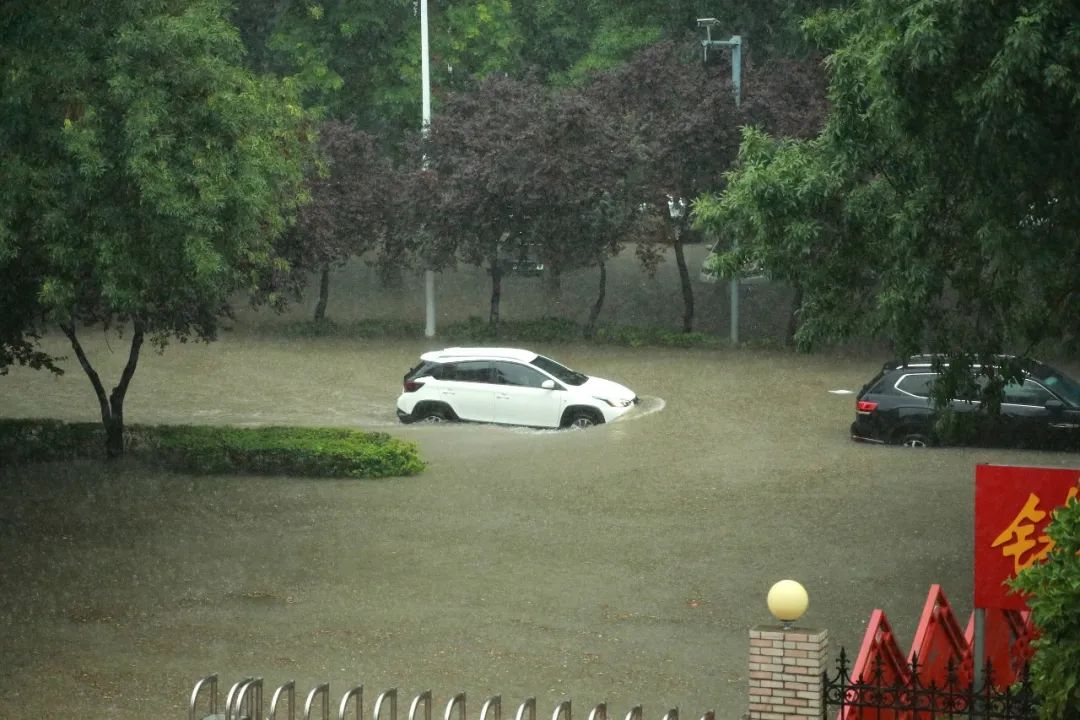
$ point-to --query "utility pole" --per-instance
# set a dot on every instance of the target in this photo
(425, 75)
(735, 43)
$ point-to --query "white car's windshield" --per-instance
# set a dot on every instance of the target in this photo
(564, 374)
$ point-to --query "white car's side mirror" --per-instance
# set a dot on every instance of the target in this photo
(548, 384)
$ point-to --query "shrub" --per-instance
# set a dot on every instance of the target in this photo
(634, 336)
(1054, 598)
(547, 330)
(358, 329)
(477, 331)
(307, 452)
(43, 440)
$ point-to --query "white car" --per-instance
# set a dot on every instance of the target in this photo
(509, 386)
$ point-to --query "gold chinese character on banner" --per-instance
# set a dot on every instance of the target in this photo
(1020, 541)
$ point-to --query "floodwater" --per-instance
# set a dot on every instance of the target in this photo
(625, 563)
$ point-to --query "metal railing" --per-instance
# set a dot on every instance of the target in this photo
(289, 690)
(244, 701)
(879, 693)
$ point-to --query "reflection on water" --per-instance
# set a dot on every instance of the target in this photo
(623, 563)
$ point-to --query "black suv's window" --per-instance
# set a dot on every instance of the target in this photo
(508, 373)
(1027, 393)
(1064, 386)
(478, 371)
(918, 384)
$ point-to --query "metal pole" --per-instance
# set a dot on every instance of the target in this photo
(736, 67)
(735, 43)
(978, 651)
(735, 310)
(425, 75)
(736, 84)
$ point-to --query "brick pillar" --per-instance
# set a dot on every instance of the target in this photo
(785, 672)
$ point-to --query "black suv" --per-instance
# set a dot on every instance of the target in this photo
(1041, 411)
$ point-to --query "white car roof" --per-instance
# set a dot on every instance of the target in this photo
(487, 353)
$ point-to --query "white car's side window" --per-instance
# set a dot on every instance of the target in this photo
(474, 371)
(508, 373)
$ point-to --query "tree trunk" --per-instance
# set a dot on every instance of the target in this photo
(390, 276)
(793, 318)
(551, 281)
(496, 290)
(112, 406)
(324, 293)
(687, 291)
(590, 327)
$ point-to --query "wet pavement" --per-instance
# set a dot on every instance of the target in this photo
(624, 563)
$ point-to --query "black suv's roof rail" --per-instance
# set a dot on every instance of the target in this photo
(927, 359)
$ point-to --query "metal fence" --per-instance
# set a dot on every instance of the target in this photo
(244, 701)
(887, 695)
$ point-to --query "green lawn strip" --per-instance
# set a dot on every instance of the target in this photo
(306, 452)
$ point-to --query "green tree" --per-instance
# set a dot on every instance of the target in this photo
(359, 60)
(354, 59)
(518, 167)
(144, 174)
(1053, 589)
(938, 208)
(356, 206)
(683, 112)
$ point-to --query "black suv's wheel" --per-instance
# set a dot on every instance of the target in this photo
(914, 439)
(433, 413)
(581, 418)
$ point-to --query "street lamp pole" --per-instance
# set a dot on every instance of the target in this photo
(735, 43)
(425, 75)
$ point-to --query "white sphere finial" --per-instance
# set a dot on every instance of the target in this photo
(788, 601)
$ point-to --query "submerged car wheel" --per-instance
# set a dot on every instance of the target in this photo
(581, 419)
(434, 414)
(914, 440)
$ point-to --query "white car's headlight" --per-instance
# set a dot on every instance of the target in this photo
(615, 402)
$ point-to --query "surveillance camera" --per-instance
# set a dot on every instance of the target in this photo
(707, 22)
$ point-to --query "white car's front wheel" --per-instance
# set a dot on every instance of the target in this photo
(583, 418)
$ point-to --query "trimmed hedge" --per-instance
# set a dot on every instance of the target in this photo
(306, 452)
(479, 331)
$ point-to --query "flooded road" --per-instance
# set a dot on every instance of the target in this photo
(625, 563)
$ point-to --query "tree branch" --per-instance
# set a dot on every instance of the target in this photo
(95, 380)
(129, 369)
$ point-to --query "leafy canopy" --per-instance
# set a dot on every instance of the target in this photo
(144, 171)
(1053, 587)
(938, 208)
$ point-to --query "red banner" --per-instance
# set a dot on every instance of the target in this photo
(1013, 506)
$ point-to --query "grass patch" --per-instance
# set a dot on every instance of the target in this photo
(303, 452)
(476, 330)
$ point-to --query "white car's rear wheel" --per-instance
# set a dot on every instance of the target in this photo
(434, 413)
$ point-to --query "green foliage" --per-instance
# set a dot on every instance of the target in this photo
(147, 171)
(366, 329)
(545, 330)
(478, 331)
(1053, 589)
(635, 336)
(305, 452)
(938, 209)
(476, 39)
(144, 174)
